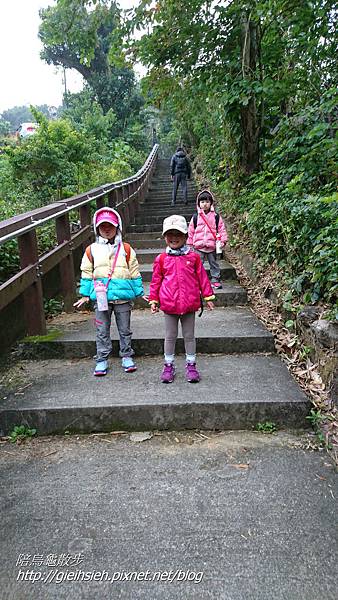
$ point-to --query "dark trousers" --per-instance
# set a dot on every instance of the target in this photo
(180, 178)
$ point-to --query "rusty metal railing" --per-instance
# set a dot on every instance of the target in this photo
(124, 196)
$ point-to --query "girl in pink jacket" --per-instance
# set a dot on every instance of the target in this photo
(205, 228)
(179, 281)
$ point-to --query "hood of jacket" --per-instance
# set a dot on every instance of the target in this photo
(212, 206)
(118, 236)
(180, 154)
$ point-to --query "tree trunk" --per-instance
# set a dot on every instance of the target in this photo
(250, 127)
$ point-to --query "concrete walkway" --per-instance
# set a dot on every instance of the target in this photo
(233, 516)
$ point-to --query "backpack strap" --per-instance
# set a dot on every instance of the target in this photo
(126, 246)
(89, 254)
(195, 217)
(127, 250)
(161, 260)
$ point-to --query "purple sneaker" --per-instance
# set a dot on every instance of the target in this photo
(191, 373)
(168, 373)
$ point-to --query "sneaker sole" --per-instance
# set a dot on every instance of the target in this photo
(100, 373)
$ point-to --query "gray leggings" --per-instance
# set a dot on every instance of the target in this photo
(188, 332)
(103, 322)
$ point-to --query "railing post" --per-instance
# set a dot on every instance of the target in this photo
(119, 205)
(137, 197)
(126, 215)
(84, 220)
(33, 296)
(100, 202)
(112, 198)
(131, 207)
(142, 191)
(66, 265)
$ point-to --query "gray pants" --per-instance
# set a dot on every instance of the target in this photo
(215, 271)
(188, 332)
(103, 322)
(180, 178)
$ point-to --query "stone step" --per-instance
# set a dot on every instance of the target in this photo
(231, 294)
(168, 192)
(148, 236)
(183, 211)
(227, 270)
(165, 204)
(166, 200)
(144, 244)
(155, 229)
(164, 207)
(167, 184)
(148, 255)
(224, 330)
(149, 218)
(235, 392)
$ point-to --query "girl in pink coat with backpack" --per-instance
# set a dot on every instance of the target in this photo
(206, 232)
(178, 285)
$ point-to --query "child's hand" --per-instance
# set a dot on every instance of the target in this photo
(154, 309)
(80, 302)
(146, 298)
(210, 305)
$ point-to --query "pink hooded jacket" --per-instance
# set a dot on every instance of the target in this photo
(178, 282)
(202, 238)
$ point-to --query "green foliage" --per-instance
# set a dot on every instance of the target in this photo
(21, 433)
(53, 306)
(315, 417)
(87, 117)
(54, 334)
(74, 153)
(51, 162)
(266, 427)
(5, 127)
(22, 114)
(90, 42)
(290, 208)
(235, 66)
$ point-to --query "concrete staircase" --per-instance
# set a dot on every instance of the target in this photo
(243, 381)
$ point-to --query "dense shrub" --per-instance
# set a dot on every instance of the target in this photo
(290, 209)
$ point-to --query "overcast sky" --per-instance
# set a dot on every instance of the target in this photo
(25, 79)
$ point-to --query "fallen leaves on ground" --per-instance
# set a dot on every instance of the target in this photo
(289, 346)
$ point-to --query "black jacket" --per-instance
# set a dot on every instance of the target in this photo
(180, 164)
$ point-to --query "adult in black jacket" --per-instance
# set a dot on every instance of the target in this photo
(180, 170)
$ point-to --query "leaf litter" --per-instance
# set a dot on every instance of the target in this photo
(290, 348)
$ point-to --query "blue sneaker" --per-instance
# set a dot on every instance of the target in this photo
(128, 364)
(101, 368)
